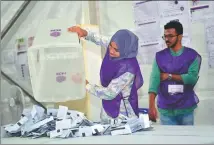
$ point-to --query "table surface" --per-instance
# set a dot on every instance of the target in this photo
(159, 135)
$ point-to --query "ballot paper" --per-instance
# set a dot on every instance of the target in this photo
(116, 122)
(76, 116)
(63, 124)
(107, 130)
(37, 113)
(97, 129)
(3, 131)
(56, 133)
(52, 112)
(62, 112)
(144, 119)
(121, 130)
(66, 123)
(65, 133)
(26, 112)
(16, 127)
(85, 131)
(135, 124)
(39, 124)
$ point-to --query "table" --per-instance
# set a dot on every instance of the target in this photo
(160, 135)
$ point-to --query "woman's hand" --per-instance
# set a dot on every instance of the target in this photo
(81, 32)
(86, 81)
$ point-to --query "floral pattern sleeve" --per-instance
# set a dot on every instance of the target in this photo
(113, 89)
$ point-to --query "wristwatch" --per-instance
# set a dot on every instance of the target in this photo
(169, 76)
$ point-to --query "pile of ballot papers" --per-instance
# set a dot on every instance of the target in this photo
(64, 123)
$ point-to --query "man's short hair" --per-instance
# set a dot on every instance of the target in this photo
(176, 25)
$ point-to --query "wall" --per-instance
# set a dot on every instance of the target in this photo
(114, 15)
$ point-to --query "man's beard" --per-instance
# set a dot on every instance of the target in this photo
(174, 44)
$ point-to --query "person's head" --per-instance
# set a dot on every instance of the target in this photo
(173, 32)
(123, 44)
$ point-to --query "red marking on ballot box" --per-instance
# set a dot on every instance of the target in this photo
(77, 78)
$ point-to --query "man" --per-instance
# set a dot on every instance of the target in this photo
(174, 75)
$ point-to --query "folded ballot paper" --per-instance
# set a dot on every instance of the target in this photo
(64, 123)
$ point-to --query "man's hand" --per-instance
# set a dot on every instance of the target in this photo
(80, 32)
(164, 76)
(153, 114)
(152, 109)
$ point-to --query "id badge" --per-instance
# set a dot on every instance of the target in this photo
(175, 89)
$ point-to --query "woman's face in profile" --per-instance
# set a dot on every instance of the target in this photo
(113, 50)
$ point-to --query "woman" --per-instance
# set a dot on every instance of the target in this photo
(120, 74)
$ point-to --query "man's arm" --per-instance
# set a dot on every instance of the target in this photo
(175, 77)
(153, 89)
(190, 78)
(154, 83)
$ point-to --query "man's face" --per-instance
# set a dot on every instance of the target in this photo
(171, 37)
